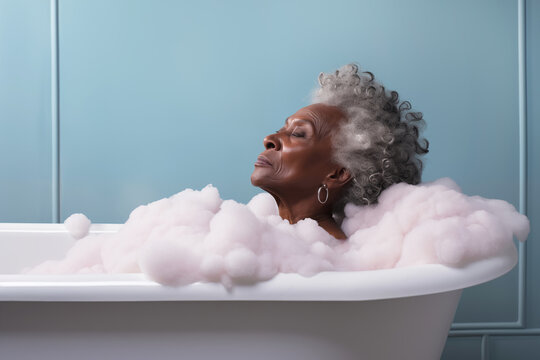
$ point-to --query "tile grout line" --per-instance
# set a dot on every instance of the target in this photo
(484, 350)
(522, 71)
(55, 115)
(495, 332)
(488, 325)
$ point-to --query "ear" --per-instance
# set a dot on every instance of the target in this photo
(338, 178)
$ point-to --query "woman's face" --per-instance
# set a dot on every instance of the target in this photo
(298, 157)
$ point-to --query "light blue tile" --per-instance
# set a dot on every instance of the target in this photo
(533, 142)
(514, 347)
(148, 61)
(494, 301)
(462, 348)
(25, 120)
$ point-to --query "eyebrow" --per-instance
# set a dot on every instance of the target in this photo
(291, 120)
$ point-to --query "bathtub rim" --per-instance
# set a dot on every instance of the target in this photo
(325, 286)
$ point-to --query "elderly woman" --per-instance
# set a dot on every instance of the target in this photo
(354, 141)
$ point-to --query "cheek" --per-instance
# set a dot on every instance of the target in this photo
(302, 162)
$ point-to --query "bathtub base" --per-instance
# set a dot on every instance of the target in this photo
(412, 328)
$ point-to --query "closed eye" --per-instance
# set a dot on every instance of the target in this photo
(298, 132)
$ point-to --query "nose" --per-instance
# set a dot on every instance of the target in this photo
(272, 142)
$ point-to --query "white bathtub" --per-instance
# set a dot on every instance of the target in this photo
(386, 314)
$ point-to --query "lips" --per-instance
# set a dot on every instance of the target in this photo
(263, 161)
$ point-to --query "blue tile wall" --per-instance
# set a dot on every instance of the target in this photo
(466, 348)
(533, 153)
(514, 348)
(25, 98)
(158, 96)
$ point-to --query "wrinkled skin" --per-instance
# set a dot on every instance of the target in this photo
(297, 160)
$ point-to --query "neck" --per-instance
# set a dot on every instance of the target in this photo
(303, 208)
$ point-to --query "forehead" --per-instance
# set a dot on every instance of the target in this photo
(318, 112)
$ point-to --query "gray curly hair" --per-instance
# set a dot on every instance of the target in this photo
(379, 143)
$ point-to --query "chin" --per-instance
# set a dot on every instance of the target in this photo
(261, 182)
(255, 181)
(257, 178)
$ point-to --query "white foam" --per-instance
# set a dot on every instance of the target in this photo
(77, 225)
(196, 236)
